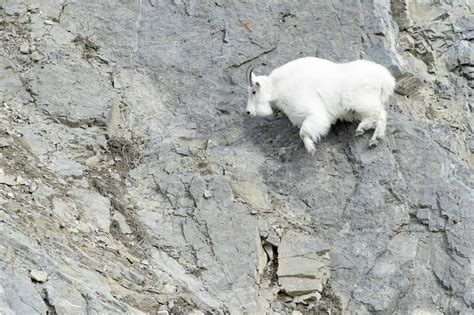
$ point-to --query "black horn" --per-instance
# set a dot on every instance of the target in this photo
(249, 75)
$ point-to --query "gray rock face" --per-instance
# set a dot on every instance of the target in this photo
(65, 298)
(133, 183)
(17, 294)
(89, 102)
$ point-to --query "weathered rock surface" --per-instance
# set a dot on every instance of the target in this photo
(17, 294)
(303, 264)
(132, 183)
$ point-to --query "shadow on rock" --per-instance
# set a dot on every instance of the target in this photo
(277, 137)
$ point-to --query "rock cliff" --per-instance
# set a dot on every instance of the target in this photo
(131, 182)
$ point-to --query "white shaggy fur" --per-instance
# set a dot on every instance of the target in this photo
(315, 92)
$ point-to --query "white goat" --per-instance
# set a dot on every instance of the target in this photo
(314, 93)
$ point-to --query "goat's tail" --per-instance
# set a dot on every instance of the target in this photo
(388, 86)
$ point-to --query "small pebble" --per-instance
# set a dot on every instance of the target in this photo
(117, 84)
(32, 187)
(163, 308)
(4, 143)
(38, 275)
(207, 194)
(32, 8)
(92, 161)
(7, 179)
(20, 180)
(24, 48)
(36, 56)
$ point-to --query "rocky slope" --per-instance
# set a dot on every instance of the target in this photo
(131, 182)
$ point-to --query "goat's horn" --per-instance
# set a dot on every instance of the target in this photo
(249, 75)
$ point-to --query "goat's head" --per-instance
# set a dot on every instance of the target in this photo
(260, 93)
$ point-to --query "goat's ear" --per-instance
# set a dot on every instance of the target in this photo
(257, 84)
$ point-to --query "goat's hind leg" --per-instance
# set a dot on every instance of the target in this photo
(380, 126)
(312, 129)
(368, 122)
(308, 143)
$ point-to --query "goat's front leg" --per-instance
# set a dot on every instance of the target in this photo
(312, 129)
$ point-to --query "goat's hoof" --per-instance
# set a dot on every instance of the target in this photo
(359, 133)
(309, 146)
(311, 150)
(373, 143)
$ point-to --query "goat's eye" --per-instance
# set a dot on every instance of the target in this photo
(253, 92)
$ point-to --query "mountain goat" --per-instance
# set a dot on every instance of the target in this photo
(315, 92)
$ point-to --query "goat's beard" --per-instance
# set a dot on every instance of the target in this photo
(264, 111)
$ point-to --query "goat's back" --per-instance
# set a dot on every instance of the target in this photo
(302, 68)
(333, 79)
(299, 76)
